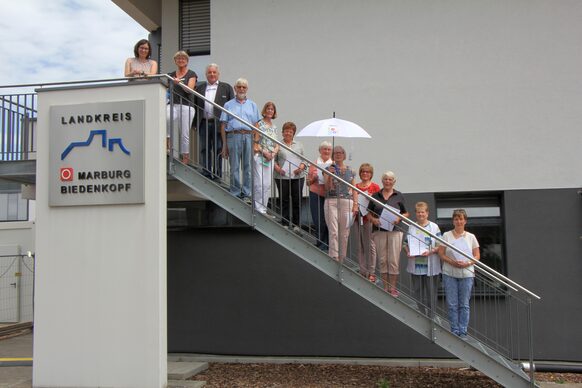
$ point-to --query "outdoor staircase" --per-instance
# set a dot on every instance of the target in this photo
(437, 330)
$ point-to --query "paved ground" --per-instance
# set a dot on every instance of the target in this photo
(18, 351)
(16, 376)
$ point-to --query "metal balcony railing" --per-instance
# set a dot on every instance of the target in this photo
(17, 127)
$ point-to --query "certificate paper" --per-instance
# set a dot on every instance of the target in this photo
(418, 241)
(387, 219)
(415, 246)
(363, 204)
(462, 245)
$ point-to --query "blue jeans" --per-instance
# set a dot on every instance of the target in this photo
(458, 293)
(316, 204)
(239, 156)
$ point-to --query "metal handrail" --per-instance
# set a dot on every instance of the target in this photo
(41, 85)
(483, 267)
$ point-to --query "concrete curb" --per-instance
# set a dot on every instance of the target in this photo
(185, 370)
(402, 362)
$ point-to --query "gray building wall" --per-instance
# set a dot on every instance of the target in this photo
(457, 95)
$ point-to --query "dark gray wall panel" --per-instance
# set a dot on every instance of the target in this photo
(544, 253)
(233, 291)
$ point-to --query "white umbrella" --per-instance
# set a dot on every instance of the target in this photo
(333, 128)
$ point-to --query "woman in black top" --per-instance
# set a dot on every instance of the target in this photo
(183, 107)
(388, 239)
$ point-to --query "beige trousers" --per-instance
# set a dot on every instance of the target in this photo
(388, 247)
(337, 218)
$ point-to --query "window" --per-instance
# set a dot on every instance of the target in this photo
(195, 27)
(485, 221)
(12, 206)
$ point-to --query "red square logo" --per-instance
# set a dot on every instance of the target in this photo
(67, 174)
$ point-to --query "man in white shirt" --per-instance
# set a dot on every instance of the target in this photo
(209, 141)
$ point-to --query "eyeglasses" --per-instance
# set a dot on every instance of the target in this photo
(241, 87)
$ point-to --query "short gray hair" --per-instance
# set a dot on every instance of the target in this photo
(242, 81)
(325, 143)
(212, 65)
(389, 174)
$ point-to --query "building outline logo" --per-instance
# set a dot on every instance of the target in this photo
(105, 143)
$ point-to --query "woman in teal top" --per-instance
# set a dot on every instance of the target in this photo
(265, 151)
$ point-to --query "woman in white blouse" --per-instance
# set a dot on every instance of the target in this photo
(459, 272)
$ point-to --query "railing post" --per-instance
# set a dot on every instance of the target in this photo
(530, 342)
(252, 168)
(170, 146)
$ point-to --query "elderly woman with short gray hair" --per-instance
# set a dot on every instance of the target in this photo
(387, 238)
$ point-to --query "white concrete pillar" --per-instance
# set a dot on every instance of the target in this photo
(100, 297)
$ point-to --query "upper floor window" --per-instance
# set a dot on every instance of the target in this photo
(195, 27)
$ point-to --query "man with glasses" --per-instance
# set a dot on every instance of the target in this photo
(237, 139)
(210, 141)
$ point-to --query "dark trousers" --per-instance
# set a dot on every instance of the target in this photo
(424, 290)
(316, 203)
(290, 192)
(210, 144)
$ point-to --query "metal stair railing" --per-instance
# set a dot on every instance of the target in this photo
(500, 329)
(488, 359)
(497, 335)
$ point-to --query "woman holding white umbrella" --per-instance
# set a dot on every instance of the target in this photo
(316, 183)
(341, 204)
